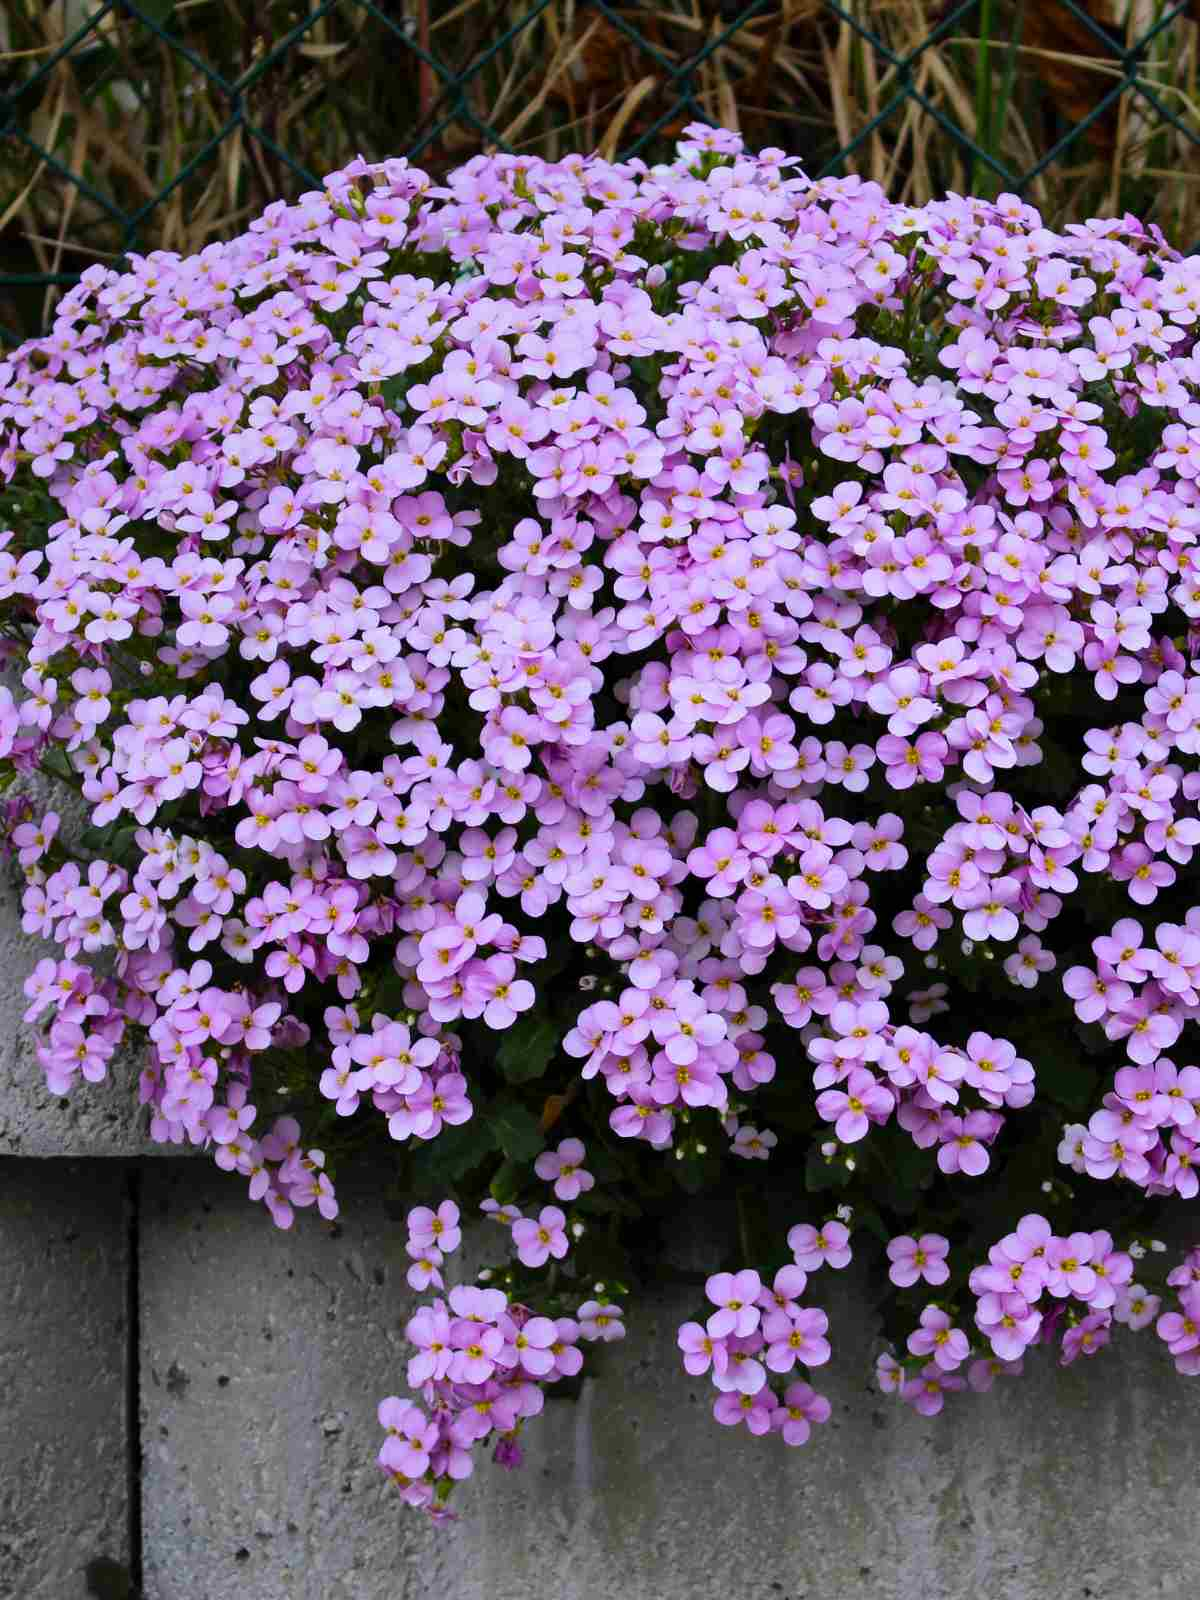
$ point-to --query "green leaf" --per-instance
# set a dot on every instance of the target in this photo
(506, 1185)
(117, 845)
(526, 1048)
(867, 1217)
(393, 390)
(906, 1169)
(694, 1173)
(821, 1174)
(1068, 1081)
(606, 1202)
(389, 997)
(605, 1166)
(517, 1131)
(559, 952)
(453, 1152)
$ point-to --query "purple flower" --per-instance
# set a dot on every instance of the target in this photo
(937, 1337)
(813, 1248)
(963, 1142)
(1068, 1266)
(1086, 1337)
(1008, 1322)
(410, 1437)
(701, 1350)
(533, 1343)
(438, 1228)
(851, 1110)
(564, 1167)
(756, 1411)
(1135, 1306)
(802, 1406)
(735, 1295)
(536, 1242)
(913, 1260)
(927, 1392)
(599, 1320)
(796, 1336)
(683, 715)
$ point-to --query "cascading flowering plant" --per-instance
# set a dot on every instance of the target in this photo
(641, 670)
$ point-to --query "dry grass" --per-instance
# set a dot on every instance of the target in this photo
(127, 114)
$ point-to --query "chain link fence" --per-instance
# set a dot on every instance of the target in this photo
(128, 125)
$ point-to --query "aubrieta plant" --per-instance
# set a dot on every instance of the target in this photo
(597, 677)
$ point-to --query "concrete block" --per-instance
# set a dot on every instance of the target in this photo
(64, 1469)
(264, 1356)
(1073, 1483)
(101, 1119)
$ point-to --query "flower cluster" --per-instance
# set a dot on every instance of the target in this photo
(481, 1362)
(683, 655)
(1148, 1127)
(1037, 1287)
(760, 1332)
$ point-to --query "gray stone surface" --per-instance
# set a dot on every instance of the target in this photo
(1063, 1485)
(63, 1461)
(1066, 1485)
(264, 1355)
(100, 1119)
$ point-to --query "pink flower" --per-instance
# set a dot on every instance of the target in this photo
(937, 1337)
(813, 1248)
(564, 1167)
(964, 1140)
(536, 1242)
(438, 1228)
(410, 1437)
(796, 1336)
(756, 1410)
(927, 1393)
(494, 990)
(375, 765)
(1007, 1320)
(1086, 1338)
(599, 1320)
(852, 1110)
(734, 1294)
(801, 1407)
(701, 1350)
(914, 1260)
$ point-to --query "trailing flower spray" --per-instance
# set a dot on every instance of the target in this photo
(601, 676)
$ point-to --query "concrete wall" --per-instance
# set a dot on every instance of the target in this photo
(1069, 1483)
(64, 1348)
(260, 1358)
(101, 1122)
(187, 1399)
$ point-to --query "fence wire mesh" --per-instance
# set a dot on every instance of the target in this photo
(128, 125)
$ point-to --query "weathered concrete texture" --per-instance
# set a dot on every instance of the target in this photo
(1077, 1484)
(63, 1462)
(264, 1357)
(101, 1119)
(95, 1119)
